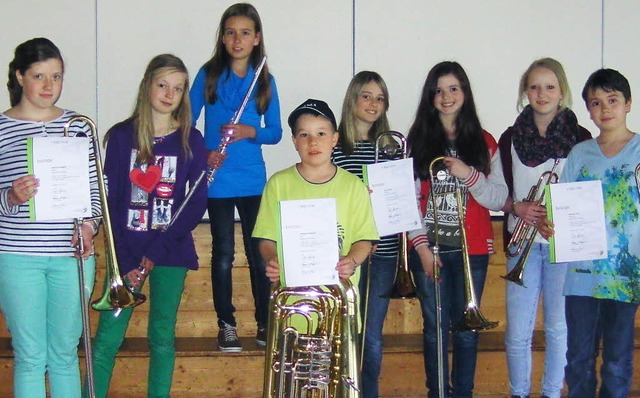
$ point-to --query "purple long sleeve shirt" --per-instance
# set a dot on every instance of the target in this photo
(143, 197)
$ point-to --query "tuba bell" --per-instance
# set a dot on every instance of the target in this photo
(390, 144)
(318, 359)
(524, 234)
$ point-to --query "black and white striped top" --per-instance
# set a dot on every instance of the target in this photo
(17, 233)
(364, 153)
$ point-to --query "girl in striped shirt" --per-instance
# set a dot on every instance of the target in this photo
(38, 256)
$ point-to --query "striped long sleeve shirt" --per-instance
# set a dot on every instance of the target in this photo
(17, 233)
(363, 154)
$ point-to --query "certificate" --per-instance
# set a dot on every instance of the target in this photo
(61, 164)
(393, 196)
(310, 250)
(577, 212)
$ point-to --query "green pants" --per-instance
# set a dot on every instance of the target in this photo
(165, 291)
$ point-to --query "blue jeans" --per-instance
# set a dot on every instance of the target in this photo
(540, 277)
(380, 273)
(222, 218)
(589, 320)
(465, 343)
(166, 285)
(45, 320)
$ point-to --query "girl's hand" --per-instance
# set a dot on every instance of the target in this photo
(146, 265)
(530, 212)
(457, 167)
(273, 270)
(215, 159)
(87, 240)
(22, 189)
(136, 277)
(427, 259)
(346, 267)
(545, 227)
(237, 132)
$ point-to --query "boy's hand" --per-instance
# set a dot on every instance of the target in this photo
(273, 270)
(346, 267)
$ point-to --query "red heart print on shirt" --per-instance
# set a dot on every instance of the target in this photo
(146, 181)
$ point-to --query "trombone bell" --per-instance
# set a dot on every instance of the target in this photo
(115, 295)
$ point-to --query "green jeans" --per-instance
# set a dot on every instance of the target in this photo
(165, 291)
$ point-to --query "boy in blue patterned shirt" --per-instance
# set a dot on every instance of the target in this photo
(602, 295)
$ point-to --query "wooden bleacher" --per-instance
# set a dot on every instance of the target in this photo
(203, 371)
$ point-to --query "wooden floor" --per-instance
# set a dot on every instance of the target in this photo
(203, 371)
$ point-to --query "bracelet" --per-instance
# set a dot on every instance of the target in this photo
(355, 263)
(513, 208)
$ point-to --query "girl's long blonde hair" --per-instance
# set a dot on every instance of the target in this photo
(142, 114)
(347, 127)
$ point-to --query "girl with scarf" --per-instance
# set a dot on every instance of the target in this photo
(545, 131)
(220, 87)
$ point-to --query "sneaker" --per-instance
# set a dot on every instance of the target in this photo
(261, 337)
(228, 339)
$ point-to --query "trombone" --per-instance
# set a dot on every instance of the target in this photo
(116, 295)
(473, 319)
(391, 144)
(524, 234)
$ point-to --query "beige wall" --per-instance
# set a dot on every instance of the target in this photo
(106, 45)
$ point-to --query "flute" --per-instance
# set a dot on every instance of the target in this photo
(222, 148)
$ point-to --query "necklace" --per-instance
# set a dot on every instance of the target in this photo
(158, 138)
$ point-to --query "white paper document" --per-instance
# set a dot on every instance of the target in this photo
(577, 212)
(61, 164)
(310, 250)
(393, 196)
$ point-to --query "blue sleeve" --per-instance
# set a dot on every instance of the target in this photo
(196, 96)
(194, 209)
(271, 133)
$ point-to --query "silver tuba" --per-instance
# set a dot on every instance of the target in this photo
(318, 359)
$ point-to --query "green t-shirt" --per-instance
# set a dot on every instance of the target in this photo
(354, 213)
